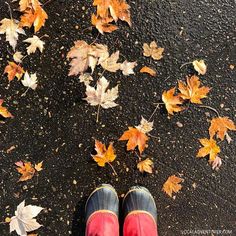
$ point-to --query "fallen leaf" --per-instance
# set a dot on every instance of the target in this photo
(145, 126)
(38, 166)
(171, 101)
(35, 42)
(24, 221)
(24, 4)
(85, 78)
(17, 57)
(220, 126)
(216, 164)
(148, 70)
(11, 28)
(104, 155)
(200, 66)
(26, 170)
(145, 166)
(210, 148)
(7, 219)
(192, 91)
(172, 185)
(135, 138)
(3, 110)
(30, 81)
(127, 67)
(231, 66)
(10, 149)
(152, 51)
(110, 64)
(13, 70)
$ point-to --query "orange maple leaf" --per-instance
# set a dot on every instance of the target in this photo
(104, 155)
(13, 70)
(148, 70)
(171, 101)
(172, 184)
(210, 148)
(135, 138)
(25, 169)
(192, 91)
(3, 110)
(145, 166)
(102, 7)
(220, 126)
(24, 4)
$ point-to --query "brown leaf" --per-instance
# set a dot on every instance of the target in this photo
(152, 51)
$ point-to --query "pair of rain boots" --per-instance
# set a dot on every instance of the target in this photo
(102, 212)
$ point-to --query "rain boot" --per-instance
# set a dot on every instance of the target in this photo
(101, 212)
(140, 213)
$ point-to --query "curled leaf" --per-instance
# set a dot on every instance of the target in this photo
(200, 66)
(148, 70)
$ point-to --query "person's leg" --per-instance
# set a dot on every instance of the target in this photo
(140, 213)
(102, 209)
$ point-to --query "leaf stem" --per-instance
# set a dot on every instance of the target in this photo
(211, 108)
(98, 113)
(9, 7)
(187, 63)
(112, 168)
(157, 106)
(23, 94)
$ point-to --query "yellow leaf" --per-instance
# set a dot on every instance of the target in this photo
(148, 70)
(200, 66)
(145, 166)
(38, 166)
(26, 170)
(172, 185)
(7, 219)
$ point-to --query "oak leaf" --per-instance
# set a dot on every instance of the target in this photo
(171, 101)
(172, 185)
(35, 42)
(136, 138)
(104, 155)
(11, 28)
(148, 70)
(101, 96)
(110, 64)
(152, 51)
(200, 66)
(13, 70)
(26, 170)
(145, 166)
(220, 126)
(3, 110)
(210, 148)
(127, 67)
(192, 91)
(24, 221)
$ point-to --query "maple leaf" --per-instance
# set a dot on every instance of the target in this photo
(17, 57)
(220, 126)
(26, 170)
(127, 67)
(3, 110)
(101, 95)
(148, 70)
(102, 7)
(172, 185)
(35, 42)
(136, 138)
(30, 81)
(13, 70)
(24, 221)
(103, 25)
(210, 148)
(24, 4)
(11, 28)
(104, 155)
(145, 166)
(110, 64)
(145, 126)
(85, 78)
(152, 51)
(192, 91)
(39, 166)
(200, 66)
(171, 101)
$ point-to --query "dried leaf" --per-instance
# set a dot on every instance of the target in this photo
(35, 42)
(110, 64)
(135, 138)
(172, 185)
(216, 164)
(85, 78)
(152, 51)
(104, 155)
(26, 170)
(127, 67)
(3, 111)
(220, 126)
(145, 166)
(30, 81)
(171, 101)
(11, 28)
(145, 126)
(101, 95)
(210, 148)
(38, 166)
(192, 91)
(17, 57)
(148, 70)
(13, 70)
(200, 66)
(24, 4)
(24, 221)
